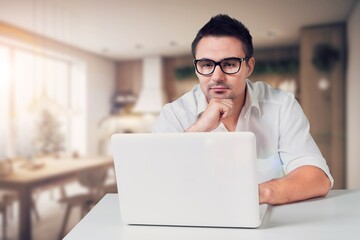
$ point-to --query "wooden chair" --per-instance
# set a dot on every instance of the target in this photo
(5, 201)
(3, 211)
(8, 198)
(94, 182)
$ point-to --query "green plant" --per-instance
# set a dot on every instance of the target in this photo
(183, 73)
(324, 57)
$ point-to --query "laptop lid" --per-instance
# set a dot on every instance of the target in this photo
(187, 179)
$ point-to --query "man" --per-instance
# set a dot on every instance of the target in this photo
(290, 164)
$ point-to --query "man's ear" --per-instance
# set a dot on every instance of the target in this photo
(250, 66)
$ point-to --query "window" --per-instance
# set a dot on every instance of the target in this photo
(4, 99)
(40, 90)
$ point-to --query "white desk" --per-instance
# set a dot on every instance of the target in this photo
(335, 217)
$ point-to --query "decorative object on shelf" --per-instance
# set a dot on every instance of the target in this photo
(324, 57)
(122, 100)
(49, 140)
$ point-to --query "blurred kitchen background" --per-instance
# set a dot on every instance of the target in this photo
(73, 72)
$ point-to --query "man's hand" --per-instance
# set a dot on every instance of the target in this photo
(215, 112)
(301, 184)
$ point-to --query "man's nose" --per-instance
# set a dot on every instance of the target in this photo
(218, 75)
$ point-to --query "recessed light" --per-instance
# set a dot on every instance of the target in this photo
(173, 43)
(139, 46)
(271, 34)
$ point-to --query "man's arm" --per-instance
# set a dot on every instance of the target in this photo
(303, 183)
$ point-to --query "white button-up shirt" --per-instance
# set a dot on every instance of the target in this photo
(282, 132)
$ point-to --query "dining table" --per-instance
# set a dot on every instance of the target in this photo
(26, 176)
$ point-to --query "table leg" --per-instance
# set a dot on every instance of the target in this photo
(25, 214)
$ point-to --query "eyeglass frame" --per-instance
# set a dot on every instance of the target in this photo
(219, 64)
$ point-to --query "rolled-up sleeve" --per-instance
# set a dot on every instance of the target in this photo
(296, 146)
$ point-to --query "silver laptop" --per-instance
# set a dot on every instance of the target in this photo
(188, 179)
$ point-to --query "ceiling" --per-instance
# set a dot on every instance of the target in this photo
(124, 29)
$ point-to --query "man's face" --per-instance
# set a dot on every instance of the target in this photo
(220, 84)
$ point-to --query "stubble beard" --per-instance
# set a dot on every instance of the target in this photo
(229, 95)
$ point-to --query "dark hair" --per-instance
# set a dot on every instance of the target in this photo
(222, 25)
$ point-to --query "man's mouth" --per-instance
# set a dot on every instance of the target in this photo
(218, 89)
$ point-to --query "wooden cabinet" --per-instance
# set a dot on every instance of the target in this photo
(129, 76)
(323, 95)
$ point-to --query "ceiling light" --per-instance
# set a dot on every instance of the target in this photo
(173, 43)
(271, 34)
(138, 46)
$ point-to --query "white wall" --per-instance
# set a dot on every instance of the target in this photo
(100, 87)
(353, 100)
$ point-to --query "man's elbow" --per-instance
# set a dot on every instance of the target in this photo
(318, 182)
(324, 184)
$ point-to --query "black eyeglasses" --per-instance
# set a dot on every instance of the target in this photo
(227, 65)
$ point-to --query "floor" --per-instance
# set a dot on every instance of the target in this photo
(51, 215)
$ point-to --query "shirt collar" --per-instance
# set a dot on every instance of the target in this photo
(250, 102)
(251, 99)
(202, 102)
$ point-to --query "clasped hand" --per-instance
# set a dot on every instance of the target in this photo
(216, 111)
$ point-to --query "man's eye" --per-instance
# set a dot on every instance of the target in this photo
(207, 64)
(228, 64)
